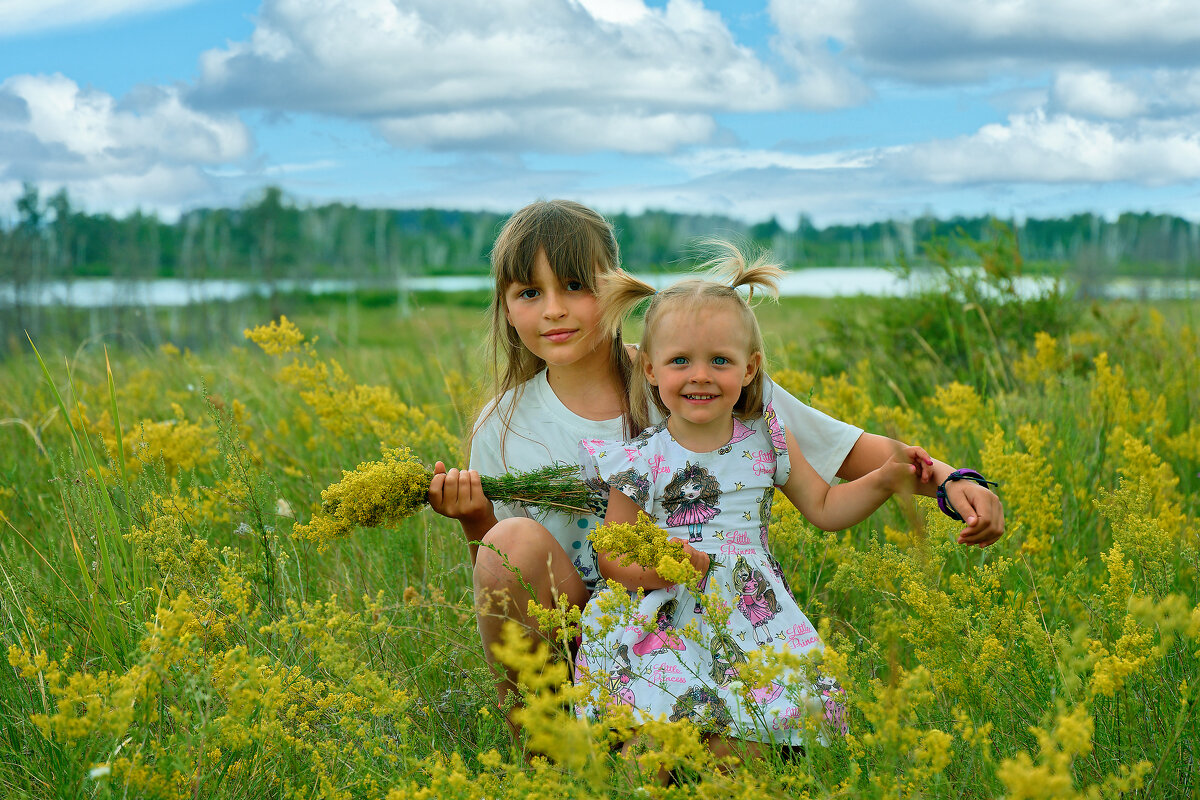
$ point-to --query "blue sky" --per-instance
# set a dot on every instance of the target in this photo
(844, 110)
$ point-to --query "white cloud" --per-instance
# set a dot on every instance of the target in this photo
(1094, 93)
(715, 160)
(615, 10)
(143, 149)
(1159, 93)
(958, 40)
(273, 170)
(558, 129)
(26, 16)
(1059, 148)
(564, 75)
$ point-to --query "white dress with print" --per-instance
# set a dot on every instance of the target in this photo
(721, 503)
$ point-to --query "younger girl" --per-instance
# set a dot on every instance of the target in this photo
(710, 470)
(559, 377)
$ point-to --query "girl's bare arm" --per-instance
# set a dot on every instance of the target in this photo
(834, 508)
(979, 507)
(622, 509)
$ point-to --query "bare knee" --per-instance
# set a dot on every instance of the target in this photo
(513, 552)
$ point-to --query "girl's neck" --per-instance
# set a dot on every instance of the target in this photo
(590, 387)
(700, 438)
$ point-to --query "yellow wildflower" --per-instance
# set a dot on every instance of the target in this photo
(276, 338)
(1046, 365)
(961, 407)
(646, 544)
(374, 493)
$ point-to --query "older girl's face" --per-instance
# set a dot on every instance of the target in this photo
(558, 322)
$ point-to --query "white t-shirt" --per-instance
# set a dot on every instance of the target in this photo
(542, 431)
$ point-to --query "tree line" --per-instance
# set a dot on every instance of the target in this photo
(271, 237)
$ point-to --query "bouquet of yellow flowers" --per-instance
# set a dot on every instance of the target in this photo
(384, 492)
(647, 545)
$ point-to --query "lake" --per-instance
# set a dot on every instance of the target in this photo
(813, 282)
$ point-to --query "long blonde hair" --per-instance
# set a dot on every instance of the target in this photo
(727, 270)
(579, 245)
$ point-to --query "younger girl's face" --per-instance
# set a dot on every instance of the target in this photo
(701, 359)
(559, 322)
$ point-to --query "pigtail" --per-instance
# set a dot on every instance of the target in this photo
(726, 264)
(618, 294)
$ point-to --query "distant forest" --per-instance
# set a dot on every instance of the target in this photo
(272, 238)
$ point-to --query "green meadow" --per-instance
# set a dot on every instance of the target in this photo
(167, 636)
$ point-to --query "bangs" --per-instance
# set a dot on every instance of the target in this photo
(572, 247)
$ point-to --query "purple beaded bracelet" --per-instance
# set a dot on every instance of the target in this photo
(959, 475)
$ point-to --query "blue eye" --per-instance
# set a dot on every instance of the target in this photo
(678, 360)
(720, 361)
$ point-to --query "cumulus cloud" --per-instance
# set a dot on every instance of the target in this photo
(714, 160)
(1058, 148)
(1095, 93)
(27, 16)
(1149, 94)
(962, 40)
(1036, 160)
(147, 147)
(566, 75)
(559, 129)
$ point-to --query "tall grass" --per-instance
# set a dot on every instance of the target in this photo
(169, 638)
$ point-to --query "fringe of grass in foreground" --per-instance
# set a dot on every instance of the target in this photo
(385, 492)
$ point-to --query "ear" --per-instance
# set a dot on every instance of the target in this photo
(752, 367)
(648, 368)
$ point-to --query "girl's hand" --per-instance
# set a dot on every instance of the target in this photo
(980, 509)
(700, 561)
(905, 468)
(458, 494)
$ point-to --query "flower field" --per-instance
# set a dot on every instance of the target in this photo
(168, 636)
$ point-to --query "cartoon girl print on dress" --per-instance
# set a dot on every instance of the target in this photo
(764, 515)
(704, 708)
(778, 436)
(692, 498)
(726, 655)
(702, 587)
(663, 637)
(620, 679)
(835, 709)
(634, 484)
(756, 600)
(767, 694)
(741, 432)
